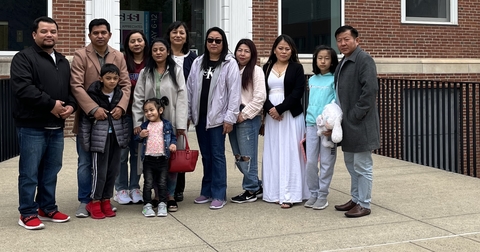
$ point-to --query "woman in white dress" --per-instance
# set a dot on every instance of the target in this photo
(283, 163)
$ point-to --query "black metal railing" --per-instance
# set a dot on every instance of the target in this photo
(8, 135)
(431, 123)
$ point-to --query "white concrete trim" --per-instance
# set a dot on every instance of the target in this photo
(427, 65)
(234, 17)
(413, 65)
(108, 9)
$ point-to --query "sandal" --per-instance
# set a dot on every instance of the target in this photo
(286, 205)
(172, 206)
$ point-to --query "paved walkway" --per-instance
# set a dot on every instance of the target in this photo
(415, 208)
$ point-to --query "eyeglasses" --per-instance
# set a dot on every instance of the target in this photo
(217, 41)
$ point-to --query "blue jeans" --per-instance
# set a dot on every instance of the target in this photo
(360, 167)
(84, 174)
(121, 183)
(41, 155)
(244, 142)
(212, 147)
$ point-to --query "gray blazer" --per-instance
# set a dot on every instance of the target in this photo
(357, 88)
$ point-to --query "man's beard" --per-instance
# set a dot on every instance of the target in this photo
(43, 46)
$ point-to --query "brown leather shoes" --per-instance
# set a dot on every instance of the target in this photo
(358, 211)
(346, 207)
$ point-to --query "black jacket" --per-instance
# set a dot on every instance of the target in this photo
(93, 133)
(37, 82)
(294, 87)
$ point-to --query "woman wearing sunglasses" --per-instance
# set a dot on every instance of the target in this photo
(214, 97)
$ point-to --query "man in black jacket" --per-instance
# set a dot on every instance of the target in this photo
(40, 79)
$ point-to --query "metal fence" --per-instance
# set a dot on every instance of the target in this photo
(8, 135)
(430, 123)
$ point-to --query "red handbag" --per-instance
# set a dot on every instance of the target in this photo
(183, 160)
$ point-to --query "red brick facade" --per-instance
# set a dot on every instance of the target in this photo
(70, 17)
(384, 36)
(265, 25)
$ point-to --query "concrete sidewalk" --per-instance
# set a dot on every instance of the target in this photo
(415, 208)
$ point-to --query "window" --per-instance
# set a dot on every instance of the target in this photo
(16, 18)
(443, 12)
(154, 17)
(310, 23)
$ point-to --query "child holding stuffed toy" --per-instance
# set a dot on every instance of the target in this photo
(322, 92)
(158, 141)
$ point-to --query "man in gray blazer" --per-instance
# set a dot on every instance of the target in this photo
(357, 87)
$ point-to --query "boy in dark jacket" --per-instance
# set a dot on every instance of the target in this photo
(104, 139)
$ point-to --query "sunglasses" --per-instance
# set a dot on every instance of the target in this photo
(217, 41)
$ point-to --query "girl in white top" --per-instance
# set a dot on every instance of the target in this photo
(244, 136)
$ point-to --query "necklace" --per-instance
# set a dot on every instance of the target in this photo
(279, 70)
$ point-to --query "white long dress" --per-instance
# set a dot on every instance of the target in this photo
(283, 163)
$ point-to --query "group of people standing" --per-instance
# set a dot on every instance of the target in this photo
(134, 107)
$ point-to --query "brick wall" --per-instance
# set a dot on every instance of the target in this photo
(70, 17)
(265, 25)
(382, 34)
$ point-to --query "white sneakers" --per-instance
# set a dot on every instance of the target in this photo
(124, 197)
(148, 210)
(162, 209)
(136, 196)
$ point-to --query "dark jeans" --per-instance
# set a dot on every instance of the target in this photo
(84, 173)
(105, 169)
(212, 147)
(155, 170)
(41, 153)
(180, 182)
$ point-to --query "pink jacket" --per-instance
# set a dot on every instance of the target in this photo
(86, 70)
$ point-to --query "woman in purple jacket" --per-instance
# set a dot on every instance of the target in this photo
(214, 98)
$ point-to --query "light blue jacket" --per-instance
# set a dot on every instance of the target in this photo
(322, 92)
(224, 97)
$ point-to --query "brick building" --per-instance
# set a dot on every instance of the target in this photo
(408, 39)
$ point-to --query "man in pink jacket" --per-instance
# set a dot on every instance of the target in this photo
(85, 70)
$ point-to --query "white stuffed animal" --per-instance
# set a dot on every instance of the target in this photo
(330, 119)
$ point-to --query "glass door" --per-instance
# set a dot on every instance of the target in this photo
(154, 16)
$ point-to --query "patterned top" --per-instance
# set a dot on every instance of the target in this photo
(155, 145)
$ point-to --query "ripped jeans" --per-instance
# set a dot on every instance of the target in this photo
(244, 142)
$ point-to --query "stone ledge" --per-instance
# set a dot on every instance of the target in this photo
(384, 65)
(413, 65)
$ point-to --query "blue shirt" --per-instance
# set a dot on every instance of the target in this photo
(322, 92)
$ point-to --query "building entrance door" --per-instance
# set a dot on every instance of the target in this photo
(154, 17)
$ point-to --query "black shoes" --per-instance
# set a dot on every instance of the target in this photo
(244, 197)
(178, 196)
(259, 192)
